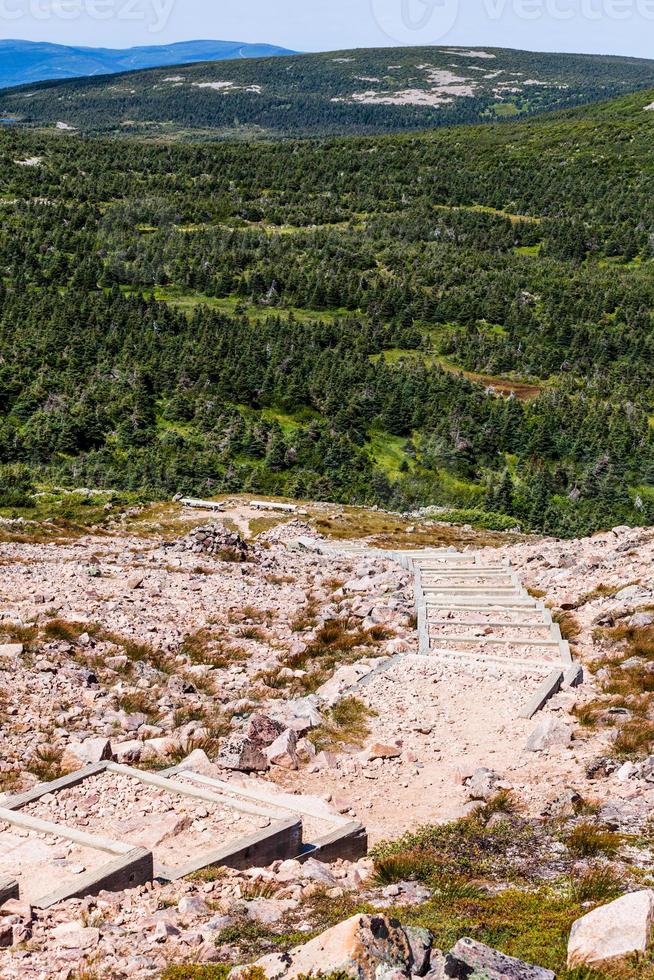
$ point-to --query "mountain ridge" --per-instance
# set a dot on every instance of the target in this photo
(25, 62)
(360, 92)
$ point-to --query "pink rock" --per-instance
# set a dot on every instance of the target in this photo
(242, 753)
(128, 751)
(70, 935)
(14, 906)
(381, 751)
(283, 751)
(263, 730)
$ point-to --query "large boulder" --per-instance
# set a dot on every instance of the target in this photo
(90, 751)
(263, 730)
(612, 931)
(472, 959)
(243, 754)
(365, 947)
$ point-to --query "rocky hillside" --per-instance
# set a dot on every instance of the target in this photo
(276, 656)
(365, 91)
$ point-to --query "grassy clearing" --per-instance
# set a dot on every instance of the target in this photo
(392, 531)
(497, 880)
(189, 301)
(522, 390)
(533, 250)
(389, 454)
(58, 516)
(501, 883)
(486, 209)
(395, 355)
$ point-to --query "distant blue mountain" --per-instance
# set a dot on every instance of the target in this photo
(23, 62)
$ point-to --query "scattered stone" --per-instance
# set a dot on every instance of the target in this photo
(420, 943)
(483, 784)
(128, 752)
(91, 751)
(641, 619)
(14, 906)
(263, 730)
(470, 958)
(549, 734)
(164, 930)
(216, 540)
(269, 911)
(11, 650)
(193, 905)
(283, 751)
(72, 935)
(381, 751)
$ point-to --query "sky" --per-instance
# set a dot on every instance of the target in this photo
(596, 26)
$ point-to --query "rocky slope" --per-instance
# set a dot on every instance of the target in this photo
(271, 665)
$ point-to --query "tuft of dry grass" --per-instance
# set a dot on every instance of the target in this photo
(137, 702)
(568, 624)
(61, 629)
(589, 840)
(205, 646)
(635, 738)
(599, 884)
(346, 724)
(503, 802)
(599, 592)
(252, 633)
(307, 618)
(27, 635)
(588, 715)
(9, 782)
(254, 615)
(46, 764)
(280, 579)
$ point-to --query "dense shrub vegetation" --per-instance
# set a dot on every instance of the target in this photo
(334, 319)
